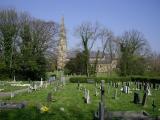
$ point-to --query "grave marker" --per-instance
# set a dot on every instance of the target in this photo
(88, 97)
(153, 106)
(144, 99)
(49, 97)
(96, 92)
(136, 98)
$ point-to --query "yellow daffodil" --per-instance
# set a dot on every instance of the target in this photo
(44, 109)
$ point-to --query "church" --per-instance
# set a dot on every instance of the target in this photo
(104, 64)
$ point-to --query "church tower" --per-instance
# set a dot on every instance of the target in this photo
(62, 47)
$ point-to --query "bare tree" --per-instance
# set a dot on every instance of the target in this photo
(88, 33)
(9, 32)
(109, 47)
(133, 48)
(154, 63)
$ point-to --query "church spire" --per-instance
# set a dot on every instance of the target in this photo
(62, 47)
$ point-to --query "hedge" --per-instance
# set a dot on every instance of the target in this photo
(116, 79)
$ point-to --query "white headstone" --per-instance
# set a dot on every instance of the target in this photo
(63, 80)
(46, 85)
(126, 89)
(12, 94)
(96, 92)
(149, 92)
(41, 84)
(14, 78)
(35, 87)
(88, 97)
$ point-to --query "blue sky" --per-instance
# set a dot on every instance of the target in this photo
(117, 15)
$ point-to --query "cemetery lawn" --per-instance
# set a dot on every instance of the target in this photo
(69, 104)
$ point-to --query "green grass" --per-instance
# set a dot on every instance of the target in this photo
(71, 99)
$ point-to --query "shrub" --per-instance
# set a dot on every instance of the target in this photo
(98, 79)
(116, 79)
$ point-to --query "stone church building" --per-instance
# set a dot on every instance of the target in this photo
(104, 64)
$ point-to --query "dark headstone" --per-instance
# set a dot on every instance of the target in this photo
(101, 111)
(153, 105)
(154, 85)
(116, 85)
(144, 100)
(102, 90)
(157, 86)
(78, 85)
(136, 98)
(137, 85)
(145, 87)
(140, 86)
(49, 97)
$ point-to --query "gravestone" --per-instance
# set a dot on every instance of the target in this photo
(12, 94)
(49, 97)
(102, 90)
(102, 104)
(35, 87)
(115, 94)
(126, 89)
(96, 92)
(55, 89)
(145, 87)
(157, 86)
(41, 83)
(153, 106)
(154, 85)
(46, 85)
(136, 98)
(29, 89)
(101, 111)
(140, 86)
(108, 89)
(122, 83)
(14, 78)
(88, 97)
(116, 85)
(144, 100)
(85, 93)
(63, 80)
(78, 85)
(148, 92)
